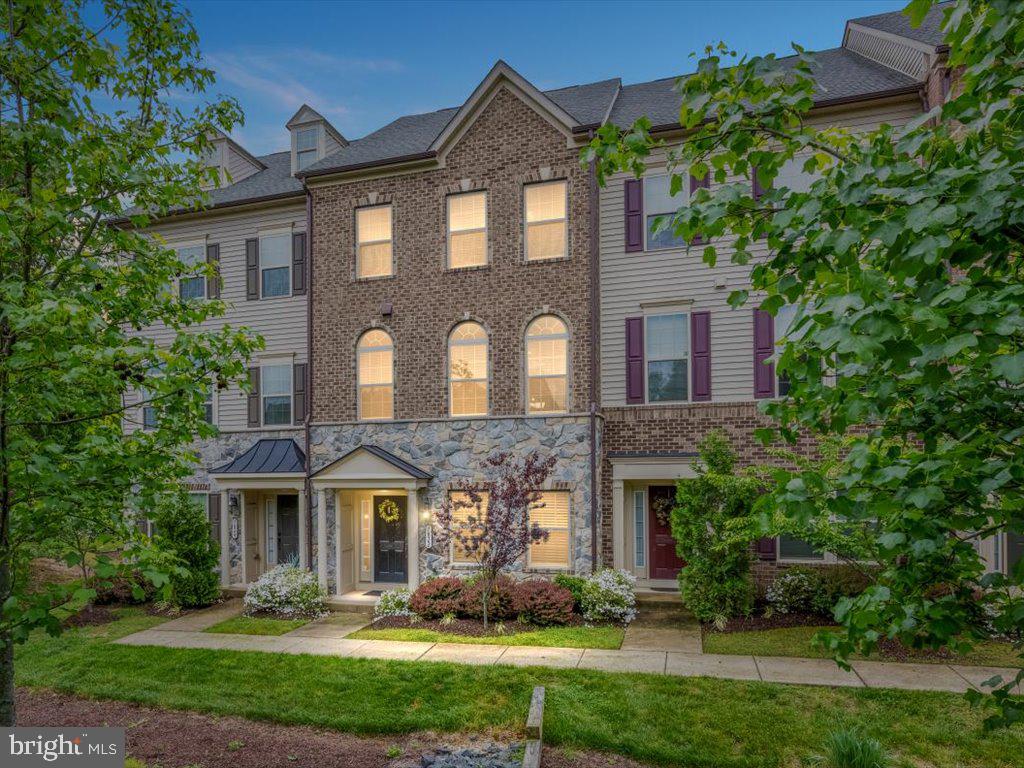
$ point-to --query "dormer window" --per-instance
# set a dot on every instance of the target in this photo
(307, 146)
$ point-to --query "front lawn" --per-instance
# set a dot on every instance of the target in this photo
(672, 721)
(562, 637)
(256, 625)
(796, 641)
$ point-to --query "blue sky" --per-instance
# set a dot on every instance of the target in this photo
(364, 64)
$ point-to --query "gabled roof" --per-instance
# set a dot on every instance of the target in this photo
(266, 456)
(400, 464)
(306, 114)
(240, 150)
(898, 23)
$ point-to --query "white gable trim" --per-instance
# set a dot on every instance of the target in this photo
(502, 75)
(361, 469)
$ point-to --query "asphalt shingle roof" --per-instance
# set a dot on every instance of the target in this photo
(269, 455)
(898, 24)
(839, 73)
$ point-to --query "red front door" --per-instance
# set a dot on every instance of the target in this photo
(665, 563)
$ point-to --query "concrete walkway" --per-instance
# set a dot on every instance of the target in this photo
(328, 638)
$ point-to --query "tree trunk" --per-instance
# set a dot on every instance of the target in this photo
(7, 714)
(486, 595)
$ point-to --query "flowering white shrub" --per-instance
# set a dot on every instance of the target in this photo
(393, 602)
(609, 595)
(795, 590)
(287, 591)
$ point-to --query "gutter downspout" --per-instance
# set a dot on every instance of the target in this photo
(309, 374)
(595, 317)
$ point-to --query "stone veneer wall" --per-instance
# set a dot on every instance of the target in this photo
(456, 449)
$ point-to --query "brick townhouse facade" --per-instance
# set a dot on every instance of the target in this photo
(455, 284)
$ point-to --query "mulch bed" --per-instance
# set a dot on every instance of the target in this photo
(170, 739)
(91, 616)
(775, 621)
(467, 627)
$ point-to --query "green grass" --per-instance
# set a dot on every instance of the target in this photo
(671, 721)
(796, 641)
(560, 637)
(251, 625)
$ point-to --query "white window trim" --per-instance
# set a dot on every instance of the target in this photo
(391, 240)
(261, 235)
(320, 143)
(568, 364)
(568, 536)
(448, 228)
(564, 220)
(648, 358)
(359, 386)
(487, 358)
(179, 246)
(640, 536)
(684, 193)
(264, 364)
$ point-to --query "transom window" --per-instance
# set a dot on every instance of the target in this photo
(467, 230)
(375, 355)
(276, 392)
(467, 370)
(307, 146)
(552, 514)
(546, 224)
(668, 351)
(547, 365)
(659, 202)
(275, 265)
(192, 286)
(373, 241)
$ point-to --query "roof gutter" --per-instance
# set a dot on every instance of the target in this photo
(249, 201)
(370, 164)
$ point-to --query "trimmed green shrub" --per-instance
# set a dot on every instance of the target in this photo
(183, 529)
(125, 588)
(609, 595)
(575, 585)
(542, 602)
(438, 597)
(393, 602)
(712, 523)
(287, 591)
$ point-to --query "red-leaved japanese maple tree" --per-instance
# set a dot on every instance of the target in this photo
(489, 519)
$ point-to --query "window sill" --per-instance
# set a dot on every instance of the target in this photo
(275, 298)
(552, 260)
(473, 268)
(374, 278)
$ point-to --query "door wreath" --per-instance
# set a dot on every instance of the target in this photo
(388, 511)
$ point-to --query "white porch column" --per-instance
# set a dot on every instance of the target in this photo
(225, 533)
(412, 515)
(618, 524)
(303, 549)
(321, 537)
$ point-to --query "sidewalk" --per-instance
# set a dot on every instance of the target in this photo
(327, 639)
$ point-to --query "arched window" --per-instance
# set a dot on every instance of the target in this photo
(375, 375)
(547, 365)
(467, 370)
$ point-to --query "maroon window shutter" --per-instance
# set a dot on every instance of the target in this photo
(634, 360)
(252, 269)
(213, 505)
(765, 548)
(634, 215)
(298, 264)
(299, 392)
(254, 414)
(696, 184)
(764, 348)
(213, 282)
(700, 354)
(755, 184)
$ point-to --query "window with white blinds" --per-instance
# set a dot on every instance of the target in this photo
(551, 514)
(546, 221)
(467, 230)
(460, 520)
(373, 241)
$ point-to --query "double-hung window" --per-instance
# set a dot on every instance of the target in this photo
(467, 370)
(307, 148)
(467, 230)
(660, 203)
(547, 232)
(552, 514)
(373, 241)
(208, 408)
(667, 340)
(275, 265)
(276, 393)
(375, 375)
(191, 285)
(468, 518)
(547, 365)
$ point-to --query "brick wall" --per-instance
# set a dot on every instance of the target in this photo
(508, 145)
(678, 428)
